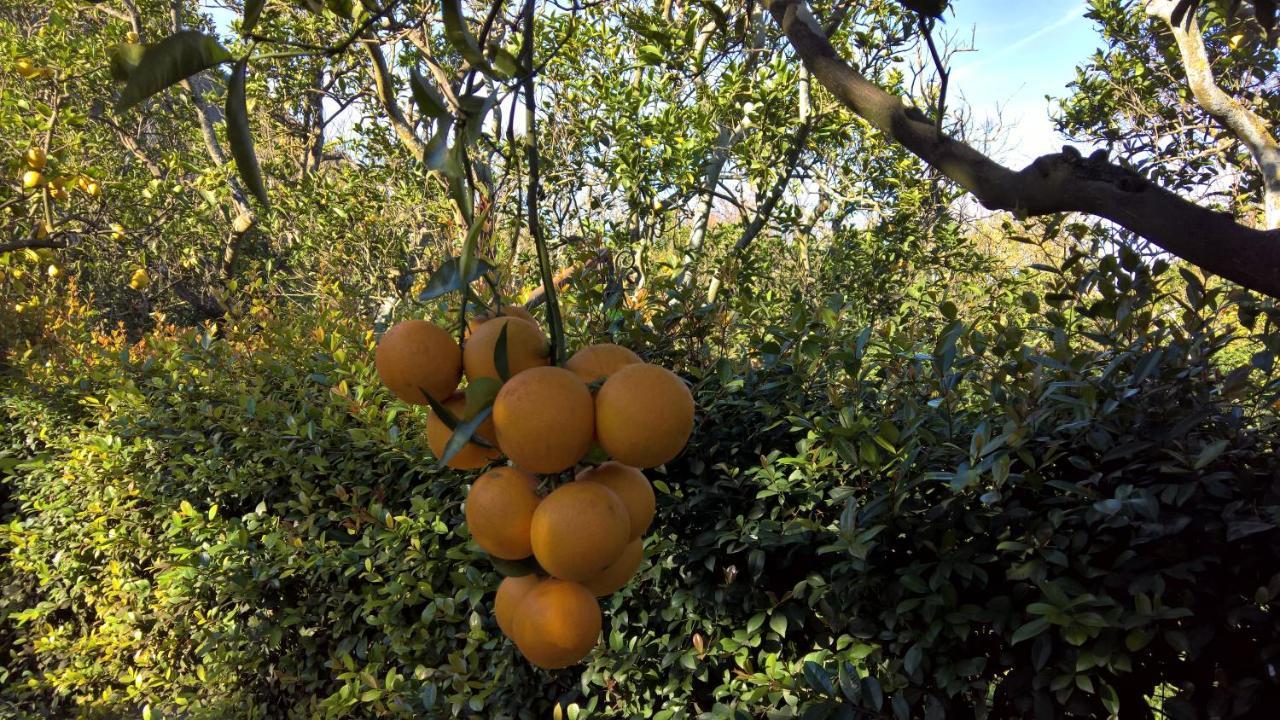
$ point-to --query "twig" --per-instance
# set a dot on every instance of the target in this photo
(926, 29)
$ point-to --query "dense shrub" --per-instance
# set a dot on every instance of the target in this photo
(1036, 511)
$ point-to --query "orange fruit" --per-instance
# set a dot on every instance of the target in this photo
(414, 357)
(631, 486)
(544, 419)
(618, 574)
(472, 455)
(644, 415)
(500, 509)
(526, 348)
(515, 311)
(579, 530)
(556, 624)
(510, 592)
(597, 362)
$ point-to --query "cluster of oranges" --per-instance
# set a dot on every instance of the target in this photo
(585, 534)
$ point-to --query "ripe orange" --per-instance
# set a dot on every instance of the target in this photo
(526, 348)
(618, 574)
(544, 418)
(631, 486)
(597, 362)
(500, 509)
(556, 624)
(644, 415)
(472, 455)
(416, 356)
(511, 591)
(579, 530)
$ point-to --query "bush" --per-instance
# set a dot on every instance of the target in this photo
(1060, 506)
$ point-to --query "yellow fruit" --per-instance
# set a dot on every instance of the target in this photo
(579, 530)
(36, 158)
(92, 188)
(57, 192)
(54, 271)
(526, 348)
(19, 308)
(619, 573)
(556, 624)
(117, 231)
(544, 419)
(26, 68)
(500, 509)
(131, 37)
(42, 230)
(32, 179)
(416, 357)
(631, 486)
(472, 455)
(510, 592)
(644, 415)
(140, 279)
(598, 362)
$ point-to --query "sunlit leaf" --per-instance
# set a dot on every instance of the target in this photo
(240, 138)
(170, 61)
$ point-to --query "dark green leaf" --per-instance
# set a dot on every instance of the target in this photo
(239, 137)
(429, 102)
(124, 58)
(1030, 630)
(252, 11)
(462, 434)
(500, 361)
(448, 418)
(447, 279)
(341, 8)
(480, 394)
(459, 35)
(170, 61)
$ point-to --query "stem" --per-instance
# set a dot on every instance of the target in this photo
(531, 196)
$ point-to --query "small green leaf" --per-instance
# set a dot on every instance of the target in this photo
(462, 434)
(1210, 453)
(480, 394)
(500, 360)
(170, 61)
(341, 8)
(239, 137)
(447, 279)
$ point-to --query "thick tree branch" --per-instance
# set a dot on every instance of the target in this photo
(1236, 117)
(1063, 182)
(34, 244)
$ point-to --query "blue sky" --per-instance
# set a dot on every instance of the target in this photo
(1023, 51)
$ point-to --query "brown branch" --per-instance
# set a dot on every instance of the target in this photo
(537, 297)
(1063, 182)
(1235, 116)
(775, 193)
(34, 244)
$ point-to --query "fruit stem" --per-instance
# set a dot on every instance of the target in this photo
(535, 228)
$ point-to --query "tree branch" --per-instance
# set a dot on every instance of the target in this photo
(1250, 128)
(1063, 182)
(387, 98)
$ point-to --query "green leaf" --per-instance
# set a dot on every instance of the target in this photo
(1030, 630)
(459, 35)
(778, 623)
(436, 155)
(341, 8)
(514, 568)
(124, 57)
(170, 61)
(448, 418)
(500, 360)
(480, 394)
(467, 260)
(462, 434)
(506, 65)
(239, 137)
(252, 10)
(1210, 453)
(429, 102)
(447, 278)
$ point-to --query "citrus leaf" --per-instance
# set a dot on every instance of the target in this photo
(252, 11)
(448, 418)
(124, 57)
(341, 8)
(462, 434)
(514, 568)
(459, 35)
(170, 61)
(429, 102)
(1030, 630)
(467, 261)
(500, 360)
(239, 137)
(436, 155)
(447, 279)
(480, 394)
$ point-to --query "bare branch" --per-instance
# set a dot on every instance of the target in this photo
(1063, 182)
